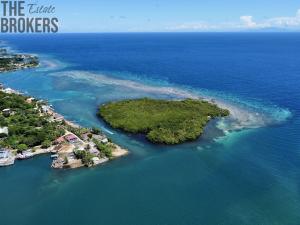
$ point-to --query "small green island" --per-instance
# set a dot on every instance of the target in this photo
(162, 121)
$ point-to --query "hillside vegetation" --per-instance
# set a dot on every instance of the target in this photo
(27, 128)
(163, 121)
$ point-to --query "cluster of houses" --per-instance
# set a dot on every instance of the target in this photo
(5, 112)
(63, 149)
(70, 138)
(16, 61)
(6, 158)
(8, 90)
(68, 144)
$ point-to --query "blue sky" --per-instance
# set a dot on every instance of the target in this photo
(175, 15)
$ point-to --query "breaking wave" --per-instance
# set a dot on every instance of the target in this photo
(244, 114)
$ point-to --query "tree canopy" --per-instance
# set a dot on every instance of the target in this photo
(163, 121)
(26, 126)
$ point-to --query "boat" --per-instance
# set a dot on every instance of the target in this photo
(54, 156)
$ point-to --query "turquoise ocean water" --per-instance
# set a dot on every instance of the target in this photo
(244, 170)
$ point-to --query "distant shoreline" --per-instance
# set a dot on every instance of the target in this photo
(12, 62)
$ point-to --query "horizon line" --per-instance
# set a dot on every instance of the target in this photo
(154, 32)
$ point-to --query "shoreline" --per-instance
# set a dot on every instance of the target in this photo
(10, 62)
(169, 122)
(71, 151)
(63, 150)
(240, 118)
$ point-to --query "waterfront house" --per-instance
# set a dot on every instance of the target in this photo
(95, 160)
(93, 151)
(71, 138)
(45, 108)
(102, 138)
(104, 141)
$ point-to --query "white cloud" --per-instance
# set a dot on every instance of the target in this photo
(280, 22)
(246, 22)
(285, 21)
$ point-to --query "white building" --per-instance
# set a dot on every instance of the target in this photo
(45, 108)
(4, 130)
(104, 141)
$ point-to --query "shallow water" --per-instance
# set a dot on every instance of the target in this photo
(249, 176)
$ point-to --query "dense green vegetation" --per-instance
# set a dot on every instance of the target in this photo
(85, 156)
(163, 121)
(27, 128)
(78, 131)
(105, 149)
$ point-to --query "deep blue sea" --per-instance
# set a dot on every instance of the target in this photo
(245, 170)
